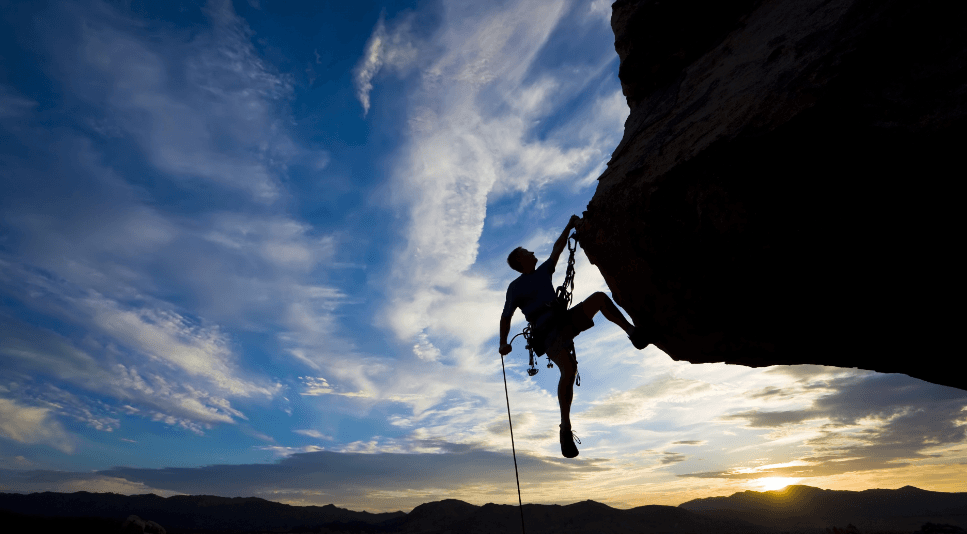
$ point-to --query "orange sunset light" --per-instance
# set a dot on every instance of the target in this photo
(774, 483)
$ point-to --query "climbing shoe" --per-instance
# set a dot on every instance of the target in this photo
(639, 338)
(568, 448)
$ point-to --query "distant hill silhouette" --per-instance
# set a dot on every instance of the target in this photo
(187, 513)
(453, 516)
(905, 509)
(196, 514)
(794, 510)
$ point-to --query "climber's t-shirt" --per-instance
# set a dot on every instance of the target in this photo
(532, 292)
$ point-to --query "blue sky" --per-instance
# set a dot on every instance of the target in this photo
(258, 248)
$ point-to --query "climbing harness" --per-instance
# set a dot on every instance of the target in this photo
(562, 303)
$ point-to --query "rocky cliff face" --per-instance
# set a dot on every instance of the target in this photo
(787, 190)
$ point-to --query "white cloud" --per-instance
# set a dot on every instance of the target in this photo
(631, 406)
(168, 337)
(96, 414)
(162, 391)
(370, 63)
(181, 101)
(30, 424)
(313, 434)
(394, 48)
(280, 241)
(284, 452)
(601, 8)
(425, 350)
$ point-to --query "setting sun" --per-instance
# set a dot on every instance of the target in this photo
(774, 483)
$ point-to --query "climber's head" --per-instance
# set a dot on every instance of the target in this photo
(522, 260)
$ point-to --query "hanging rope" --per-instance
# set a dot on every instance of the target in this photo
(520, 503)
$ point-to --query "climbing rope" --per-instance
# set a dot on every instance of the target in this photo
(520, 503)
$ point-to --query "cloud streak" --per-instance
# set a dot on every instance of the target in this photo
(391, 48)
(378, 481)
(184, 103)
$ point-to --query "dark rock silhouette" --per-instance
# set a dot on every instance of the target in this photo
(900, 510)
(37, 524)
(785, 189)
(931, 528)
(187, 513)
(797, 509)
(452, 516)
(434, 516)
(135, 525)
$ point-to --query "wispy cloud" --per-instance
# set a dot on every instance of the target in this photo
(631, 406)
(204, 109)
(173, 396)
(394, 48)
(12, 105)
(313, 434)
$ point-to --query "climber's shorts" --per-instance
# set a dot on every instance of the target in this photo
(572, 323)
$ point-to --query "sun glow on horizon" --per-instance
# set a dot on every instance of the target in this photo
(774, 483)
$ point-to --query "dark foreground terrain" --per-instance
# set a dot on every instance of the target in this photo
(796, 509)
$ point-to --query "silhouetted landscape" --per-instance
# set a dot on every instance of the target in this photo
(795, 509)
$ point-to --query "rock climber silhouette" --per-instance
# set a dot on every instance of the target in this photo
(553, 329)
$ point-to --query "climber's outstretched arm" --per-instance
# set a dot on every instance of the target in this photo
(561, 242)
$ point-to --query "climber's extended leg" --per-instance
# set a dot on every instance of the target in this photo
(565, 394)
(601, 302)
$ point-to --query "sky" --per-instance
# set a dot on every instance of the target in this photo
(258, 248)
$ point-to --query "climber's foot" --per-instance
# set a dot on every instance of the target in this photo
(568, 448)
(639, 338)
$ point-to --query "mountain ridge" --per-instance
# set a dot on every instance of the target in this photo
(902, 510)
(200, 512)
(800, 505)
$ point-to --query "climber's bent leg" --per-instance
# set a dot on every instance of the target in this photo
(601, 302)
